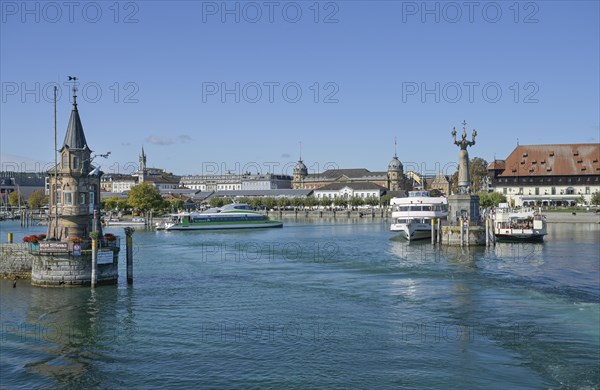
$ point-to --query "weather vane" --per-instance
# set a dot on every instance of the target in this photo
(74, 88)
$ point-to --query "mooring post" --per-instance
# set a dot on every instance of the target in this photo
(129, 253)
(432, 231)
(439, 231)
(467, 228)
(487, 231)
(462, 233)
(94, 278)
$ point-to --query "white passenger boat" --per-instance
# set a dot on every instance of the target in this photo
(412, 216)
(231, 216)
(526, 225)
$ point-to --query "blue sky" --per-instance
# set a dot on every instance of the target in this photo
(157, 74)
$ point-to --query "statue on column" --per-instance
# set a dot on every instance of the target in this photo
(464, 179)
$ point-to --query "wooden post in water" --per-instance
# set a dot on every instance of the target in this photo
(94, 278)
(432, 231)
(10, 238)
(462, 226)
(129, 253)
(439, 231)
(487, 231)
(467, 228)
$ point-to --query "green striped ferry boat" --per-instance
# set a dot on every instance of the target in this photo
(231, 216)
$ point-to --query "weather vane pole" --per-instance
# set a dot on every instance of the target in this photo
(74, 88)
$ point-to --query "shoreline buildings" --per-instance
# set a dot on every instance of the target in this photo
(548, 175)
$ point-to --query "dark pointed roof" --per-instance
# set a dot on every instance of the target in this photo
(75, 137)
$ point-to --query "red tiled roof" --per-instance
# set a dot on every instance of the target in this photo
(553, 160)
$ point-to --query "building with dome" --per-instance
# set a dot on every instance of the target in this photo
(393, 179)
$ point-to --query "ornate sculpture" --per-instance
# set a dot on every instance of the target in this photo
(464, 179)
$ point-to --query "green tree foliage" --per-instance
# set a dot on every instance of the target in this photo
(298, 202)
(145, 197)
(355, 201)
(491, 199)
(340, 202)
(325, 201)
(15, 198)
(111, 203)
(269, 202)
(37, 199)
(283, 202)
(310, 201)
(385, 200)
(478, 171)
(175, 204)
(216, 202)
(372, 201)
(596, 198)
(122, 204)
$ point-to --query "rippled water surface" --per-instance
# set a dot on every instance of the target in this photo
(317, 304)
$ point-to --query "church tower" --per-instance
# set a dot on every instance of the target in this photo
(142, 171)
(395, 172)
(74, 186)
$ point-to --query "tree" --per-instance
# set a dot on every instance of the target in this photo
(269, 202)
(385, 200)
(122, 204)
(216, 202)
(478, 171)
(355, 201)
(491, 199)
(111, 203)
(15, 198)
(596, 198)
(372, 201)
(175, 204)
(478, 174)
(298, 202)
(325, 201)
(145, 197)
(37, 199)
(340, 202)
(310, 201)
(283, 202)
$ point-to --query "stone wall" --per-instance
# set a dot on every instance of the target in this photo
(66, 270)
(54, 269)
(15, 261)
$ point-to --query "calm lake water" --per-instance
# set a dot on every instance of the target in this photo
(317, 304)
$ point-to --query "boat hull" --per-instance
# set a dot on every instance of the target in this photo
(226, 226)
(520, 237)
(412, 233)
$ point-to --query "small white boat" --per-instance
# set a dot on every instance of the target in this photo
(231, 216)
(525, 226)
(412, 216)
(137, 221)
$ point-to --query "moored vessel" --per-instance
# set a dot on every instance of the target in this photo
(231, 216)
(412, 216)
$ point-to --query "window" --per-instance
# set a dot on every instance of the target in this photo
(504, 190)
(65, 161)
(553, 190)
(82, 198)
(537, 190)
(587, 190)
(75, 162)
(68, 198)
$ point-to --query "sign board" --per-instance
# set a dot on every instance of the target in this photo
(105, 257)
(76, 249)
(54, 246)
